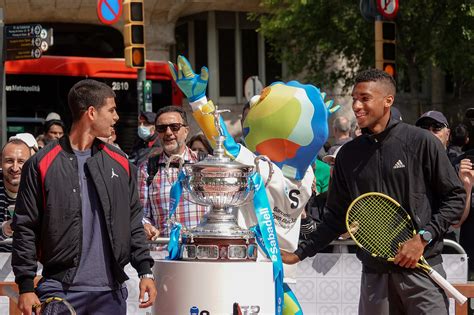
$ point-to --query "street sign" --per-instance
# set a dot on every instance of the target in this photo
(34, 53)
(22, 31)
(26, 41)
(252, 87)
(388, 8)
(109, 11)
(147, 96)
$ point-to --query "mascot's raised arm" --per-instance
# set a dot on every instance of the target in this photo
(287, 123)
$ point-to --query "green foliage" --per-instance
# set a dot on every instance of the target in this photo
(330, 40)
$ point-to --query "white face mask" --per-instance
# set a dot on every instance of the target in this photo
(144, 132)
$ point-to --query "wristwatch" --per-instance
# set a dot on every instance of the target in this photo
(426, 236)
(147, 276)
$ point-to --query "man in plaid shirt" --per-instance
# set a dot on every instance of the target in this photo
(172, 128)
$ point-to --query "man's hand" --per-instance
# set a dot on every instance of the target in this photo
(151, 232)
(148, 286)
(193, 86)
(410, 252)
(7, 228)
(289, 258)
(466, 173)
(26, 301)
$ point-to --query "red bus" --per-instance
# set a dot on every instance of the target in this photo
(36, 87)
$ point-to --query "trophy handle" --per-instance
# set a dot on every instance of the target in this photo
(270, 165)
(167, 167)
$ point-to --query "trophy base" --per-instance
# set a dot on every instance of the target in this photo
(218, 249)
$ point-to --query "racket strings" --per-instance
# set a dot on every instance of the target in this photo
(379, 225)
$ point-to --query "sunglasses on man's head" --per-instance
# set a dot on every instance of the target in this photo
(174, 127)
(435, 126)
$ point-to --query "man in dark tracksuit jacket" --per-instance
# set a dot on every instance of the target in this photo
(410, 165)
(78, 213)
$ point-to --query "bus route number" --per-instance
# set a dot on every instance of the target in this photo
(120, 86)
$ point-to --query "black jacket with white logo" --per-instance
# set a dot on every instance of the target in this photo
(406, 163)
(48, 220)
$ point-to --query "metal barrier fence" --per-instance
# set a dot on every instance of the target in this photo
(164, 240)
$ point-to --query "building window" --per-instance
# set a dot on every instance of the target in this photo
(273, 70)
(200, 43)
(226, 46)
(181, 35)
(249, 54)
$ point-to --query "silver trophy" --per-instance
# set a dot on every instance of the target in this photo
(223, 185)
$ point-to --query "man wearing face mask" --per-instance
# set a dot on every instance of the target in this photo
(147, 138)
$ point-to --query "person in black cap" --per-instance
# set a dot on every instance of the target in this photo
(147, 138)
(437, 123)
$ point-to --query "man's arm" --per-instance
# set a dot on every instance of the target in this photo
(466, 174)
(26, 223)
(447, 187)
(139, 252)
(333, 221)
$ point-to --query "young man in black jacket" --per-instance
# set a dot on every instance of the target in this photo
(78, 213)
(410, 165)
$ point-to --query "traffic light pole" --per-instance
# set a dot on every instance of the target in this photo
(141, 77)
(378, 43)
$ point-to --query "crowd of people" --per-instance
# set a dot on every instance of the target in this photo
(74, 186)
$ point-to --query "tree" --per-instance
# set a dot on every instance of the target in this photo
(330, 40)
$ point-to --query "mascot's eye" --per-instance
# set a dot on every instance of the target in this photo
(245, 131)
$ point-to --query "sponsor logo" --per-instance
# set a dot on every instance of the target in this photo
(399, 164)
(113, 174)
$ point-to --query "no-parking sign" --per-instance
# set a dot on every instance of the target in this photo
(388, 8)
(109, 11)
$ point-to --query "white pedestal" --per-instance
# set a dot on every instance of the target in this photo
(213, 287)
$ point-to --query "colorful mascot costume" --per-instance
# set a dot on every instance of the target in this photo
(288, 124)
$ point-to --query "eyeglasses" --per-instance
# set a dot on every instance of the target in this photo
(174, 127)
(434, 126)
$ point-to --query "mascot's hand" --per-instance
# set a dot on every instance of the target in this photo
(193, 85)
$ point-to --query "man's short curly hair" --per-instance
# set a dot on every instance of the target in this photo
(376, 75)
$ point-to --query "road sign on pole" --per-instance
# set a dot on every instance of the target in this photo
(388, 8)
(147, 95)
(26, 41)
(252, 87)
(109, 11)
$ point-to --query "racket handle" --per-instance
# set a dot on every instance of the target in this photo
(448, 287)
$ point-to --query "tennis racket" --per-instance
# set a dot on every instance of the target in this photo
(379, 225)
(51, 306)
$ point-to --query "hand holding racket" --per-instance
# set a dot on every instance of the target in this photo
(51, 306)
(382, 227)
